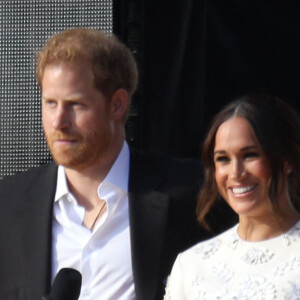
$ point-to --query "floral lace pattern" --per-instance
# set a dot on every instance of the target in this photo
(292, 235)
(292, 291)
(258, 256)
(208, 249)
(222, 272)
(228, 268)
(252, 287)
(289, 265)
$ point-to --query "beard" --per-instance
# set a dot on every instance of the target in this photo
(79, 151)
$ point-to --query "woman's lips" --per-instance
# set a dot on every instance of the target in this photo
(240, 190)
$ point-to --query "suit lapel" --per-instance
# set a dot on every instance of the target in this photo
(148, 214)
(34, 218)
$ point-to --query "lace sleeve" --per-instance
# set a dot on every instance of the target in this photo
(175, 283)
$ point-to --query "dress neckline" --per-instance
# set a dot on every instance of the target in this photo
(285, 236)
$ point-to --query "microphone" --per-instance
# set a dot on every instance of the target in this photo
(66, 285)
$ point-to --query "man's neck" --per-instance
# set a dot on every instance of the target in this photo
(83, 182)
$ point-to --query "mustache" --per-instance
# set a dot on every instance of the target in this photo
(58, 135)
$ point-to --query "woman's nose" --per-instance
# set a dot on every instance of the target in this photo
(237, 170)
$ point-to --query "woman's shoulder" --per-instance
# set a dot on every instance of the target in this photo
(209, 248)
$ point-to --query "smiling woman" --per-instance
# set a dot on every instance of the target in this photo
(263, 130)
(242, 170)
(251, 157)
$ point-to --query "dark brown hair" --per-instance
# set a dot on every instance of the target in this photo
(277, 129)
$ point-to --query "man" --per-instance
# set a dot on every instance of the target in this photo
(116, 215)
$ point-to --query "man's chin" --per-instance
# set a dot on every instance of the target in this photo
(66, 163)
(74, 158)
(66, 160)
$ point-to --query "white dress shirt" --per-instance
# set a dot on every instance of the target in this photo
(102, 256)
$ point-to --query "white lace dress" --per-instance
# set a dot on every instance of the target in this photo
(227, 267)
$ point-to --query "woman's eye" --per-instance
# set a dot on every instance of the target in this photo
(221, 159)
(251, 155)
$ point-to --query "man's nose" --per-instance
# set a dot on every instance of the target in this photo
(61, 118)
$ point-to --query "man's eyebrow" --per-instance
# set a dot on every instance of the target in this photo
(69, 98)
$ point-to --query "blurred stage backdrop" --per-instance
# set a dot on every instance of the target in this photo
(193, 56)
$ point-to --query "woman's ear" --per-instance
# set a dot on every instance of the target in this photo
(119, 104)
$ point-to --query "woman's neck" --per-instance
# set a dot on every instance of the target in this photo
(253, 229)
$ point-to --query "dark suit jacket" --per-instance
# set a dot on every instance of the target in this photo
(162, 197)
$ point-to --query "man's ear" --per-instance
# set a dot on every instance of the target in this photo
(287, 168)
(119, 104)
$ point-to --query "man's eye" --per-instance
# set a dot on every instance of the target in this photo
(77, 104)
(50, 102)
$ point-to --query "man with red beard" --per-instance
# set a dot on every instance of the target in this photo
(116, 215)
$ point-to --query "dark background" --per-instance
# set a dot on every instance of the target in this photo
(196, 55)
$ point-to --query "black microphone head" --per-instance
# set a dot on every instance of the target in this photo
(66, 285)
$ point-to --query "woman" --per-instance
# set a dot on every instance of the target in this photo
(251, 157)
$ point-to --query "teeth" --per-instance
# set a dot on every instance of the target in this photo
(240, 190)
